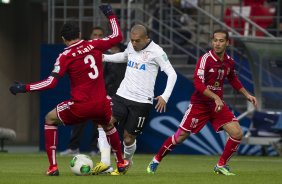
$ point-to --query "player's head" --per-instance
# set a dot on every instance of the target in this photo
(69, 32)
(117, 48)
(220, 40)
(139, 37)
(97, 32)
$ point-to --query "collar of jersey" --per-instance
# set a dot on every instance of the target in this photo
(74, 44)
(216, 58)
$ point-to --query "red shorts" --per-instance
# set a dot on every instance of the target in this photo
(197, 116)
(70, 112)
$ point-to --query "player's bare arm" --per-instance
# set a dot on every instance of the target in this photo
(216, 98)
(249, 97)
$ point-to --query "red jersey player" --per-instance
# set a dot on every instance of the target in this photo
(207, 104)
(82, 60)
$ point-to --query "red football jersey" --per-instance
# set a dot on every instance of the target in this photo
(82, 61)
(211, 73)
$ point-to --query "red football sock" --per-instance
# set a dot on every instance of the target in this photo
(230, 147)
(51, 142)
(166, 148)
(114, 141)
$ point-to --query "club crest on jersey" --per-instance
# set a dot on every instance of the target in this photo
(165, 57)
(145, 55)
(136, 65)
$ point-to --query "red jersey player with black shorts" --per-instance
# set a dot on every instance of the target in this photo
(82, 61)
(207, 104)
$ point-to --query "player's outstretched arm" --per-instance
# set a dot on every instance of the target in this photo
(116, 36)
(48, 83)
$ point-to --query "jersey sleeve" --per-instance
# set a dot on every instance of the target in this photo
(120, 57)
(106, 43)
(48, 83)
(166, 66)
(233, 79)
(199, 75)
(162, 60)
(51, 81)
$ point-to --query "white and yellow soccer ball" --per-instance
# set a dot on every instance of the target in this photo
(81, 165)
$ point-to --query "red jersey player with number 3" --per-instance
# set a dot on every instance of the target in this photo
(82, 61)
(207, 105)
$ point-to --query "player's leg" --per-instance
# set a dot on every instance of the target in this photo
(120, 111)
(104, 166)
(136, 120)
(129, 143)
(51, 141)
(65, 113)
(166, 148)
(235, 133)
(104, 146)
(193, 121)
(114, 140)
(94, 147)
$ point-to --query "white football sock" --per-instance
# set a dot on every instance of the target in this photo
(129, 151)
(104, 147)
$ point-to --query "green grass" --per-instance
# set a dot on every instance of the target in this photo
(175, 169)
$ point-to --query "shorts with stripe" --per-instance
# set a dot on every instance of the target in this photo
(198, 115)
(70, 112)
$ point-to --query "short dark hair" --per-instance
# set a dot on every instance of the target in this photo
(70, 31)
(221, 31)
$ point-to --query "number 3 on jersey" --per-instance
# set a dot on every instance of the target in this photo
(92, 75)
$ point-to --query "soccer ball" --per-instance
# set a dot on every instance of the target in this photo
(81, 165)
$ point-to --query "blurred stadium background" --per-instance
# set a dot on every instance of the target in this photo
(29, 44)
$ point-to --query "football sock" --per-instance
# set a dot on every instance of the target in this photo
(104, 147)
(230, 147)
(51, 142)
(155, 160)
(129, 150)
(113, 139)
(167, 147)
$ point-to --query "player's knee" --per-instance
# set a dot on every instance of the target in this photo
(180, 139)
(48, 120)
(113, 120)
(107, 127)
(238, 134)
(128, 140)
(180, 136)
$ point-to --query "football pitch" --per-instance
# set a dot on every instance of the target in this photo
(16, 168)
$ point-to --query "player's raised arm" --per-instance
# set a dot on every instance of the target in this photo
(116, 36)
